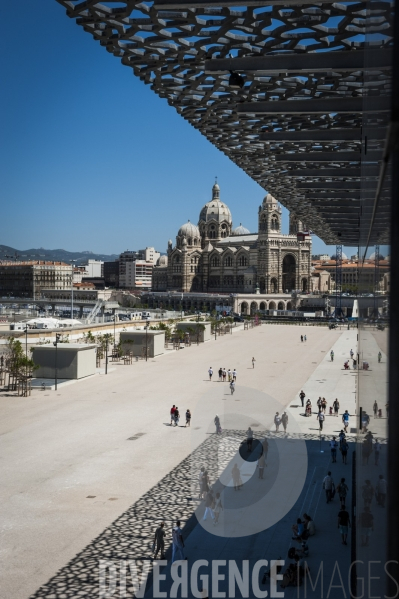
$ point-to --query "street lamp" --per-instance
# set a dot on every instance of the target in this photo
(72, 264)
(181, 307)
(57, 339)
(106, 354)
(146, 341)
(114, 329)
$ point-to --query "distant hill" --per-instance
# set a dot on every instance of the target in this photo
(9, 253)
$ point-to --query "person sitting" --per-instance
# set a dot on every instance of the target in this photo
(346, 365)
(310, 527)
(295, 572)
(298, 530)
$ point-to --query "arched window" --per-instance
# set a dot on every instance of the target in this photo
(273, 286)
(242, 261)
(215, 261)
(228, 261)
(274, 223)
(263, 223)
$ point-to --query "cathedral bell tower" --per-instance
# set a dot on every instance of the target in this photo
(269, 231)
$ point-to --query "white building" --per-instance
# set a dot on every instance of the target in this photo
(93, 269)
(135, 268)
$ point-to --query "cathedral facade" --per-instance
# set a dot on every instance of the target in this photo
(212, 257)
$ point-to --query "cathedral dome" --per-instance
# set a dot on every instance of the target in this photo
(189, 230)
(215, 209)
(162, 261)
(240, 231)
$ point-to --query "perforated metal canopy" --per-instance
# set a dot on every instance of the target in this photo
(309, 122)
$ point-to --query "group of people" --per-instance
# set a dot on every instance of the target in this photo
(177, 542)
(225, 375)
(303, 338)
(213, 501)
(175, 416)
(281, 420)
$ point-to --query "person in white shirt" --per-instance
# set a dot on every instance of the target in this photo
(333, 447)
(234, 374)
(210, 372)
(232, 386)
(320, 417)
(328, 486)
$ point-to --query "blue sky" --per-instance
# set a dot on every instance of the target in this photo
(91, 158)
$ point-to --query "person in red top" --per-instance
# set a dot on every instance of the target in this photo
(172, 414)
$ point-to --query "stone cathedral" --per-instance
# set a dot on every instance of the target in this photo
(213, 257)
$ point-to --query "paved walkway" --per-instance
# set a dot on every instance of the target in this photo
(99, 460)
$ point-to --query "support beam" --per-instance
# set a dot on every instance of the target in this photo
(355, 185)
(354, 134)
(372, 156)
(316, 106)
(346, 60)
(355, 172)
(182, 4)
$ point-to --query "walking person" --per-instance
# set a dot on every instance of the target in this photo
(210, 372)
(320, 417)
(375, 409)
(305, 338)
(236, 477)
(277, 421)
(333, 447)
(261, 464)
(209, 502)
(201, 482)
(284, 420)
(188, 418)
(367, 493)
(234, 375)
(336, 406)
(178, 543)
(379, 357)
(253, 362)
(308, 408)
(218, 508)
(377, 449)
(344, 450)
(381, 490)
(224, 372)
(301, 338)
(343, 524)
(250, 438)
(367, 525)
(332, 355)
(217, 424)
(220, 372)
(177, 416)
(342, 491)
(351, 354)
(302, 396)
(324, 404)
(345, 420)
(328, 486)
(159, 541)
(229, 375)
(232, 387)
(172, 414)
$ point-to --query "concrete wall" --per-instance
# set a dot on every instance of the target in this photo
(74, 361)
(204, 335)
(155, 340)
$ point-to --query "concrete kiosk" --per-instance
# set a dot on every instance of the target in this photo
(74, 360)
(154, 339)
(204, 335)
